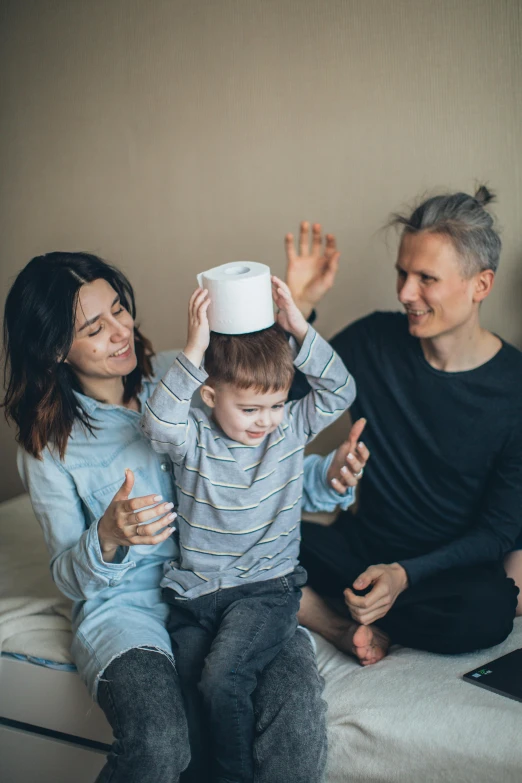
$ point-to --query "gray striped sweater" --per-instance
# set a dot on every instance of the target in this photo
(239, 506)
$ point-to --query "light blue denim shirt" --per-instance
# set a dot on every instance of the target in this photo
(117, 606)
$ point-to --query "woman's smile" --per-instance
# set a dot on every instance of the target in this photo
(122, 353)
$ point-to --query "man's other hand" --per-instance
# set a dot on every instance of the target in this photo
(387, 583)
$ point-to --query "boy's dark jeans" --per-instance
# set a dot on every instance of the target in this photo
(221, 643)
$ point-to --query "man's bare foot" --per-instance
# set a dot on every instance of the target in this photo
(366, 642)
(370, 644)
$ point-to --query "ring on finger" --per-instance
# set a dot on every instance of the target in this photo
(359, 474)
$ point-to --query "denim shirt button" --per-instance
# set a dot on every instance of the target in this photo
(113, 582)
(165, 467)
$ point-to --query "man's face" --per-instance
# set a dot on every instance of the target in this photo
(431, 286)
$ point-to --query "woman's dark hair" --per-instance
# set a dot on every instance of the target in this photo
(462, 218)
(39, 323)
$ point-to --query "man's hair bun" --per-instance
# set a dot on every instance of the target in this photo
(484, 196)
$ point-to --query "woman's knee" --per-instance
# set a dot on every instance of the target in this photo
(141, 698)
(153, 739)
(146, 753)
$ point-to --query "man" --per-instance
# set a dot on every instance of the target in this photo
(421, 562)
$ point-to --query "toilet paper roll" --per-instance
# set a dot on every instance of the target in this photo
(241, 297)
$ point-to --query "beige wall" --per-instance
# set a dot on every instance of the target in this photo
(172, 136)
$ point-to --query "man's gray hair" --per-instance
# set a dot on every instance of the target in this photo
(464, 220)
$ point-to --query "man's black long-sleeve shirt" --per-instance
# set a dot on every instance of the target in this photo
(443, 487)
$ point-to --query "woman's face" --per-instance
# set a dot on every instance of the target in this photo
(103, 345)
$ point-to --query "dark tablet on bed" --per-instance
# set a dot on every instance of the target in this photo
(503, 675)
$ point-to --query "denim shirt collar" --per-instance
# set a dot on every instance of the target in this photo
(89, 404)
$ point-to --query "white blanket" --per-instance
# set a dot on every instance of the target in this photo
(38, 627)
(34, 615)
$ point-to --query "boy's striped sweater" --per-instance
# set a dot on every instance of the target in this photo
(239, 506)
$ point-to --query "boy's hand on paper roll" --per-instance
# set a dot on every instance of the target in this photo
(289, 315)
(198, 332)
(311, 271)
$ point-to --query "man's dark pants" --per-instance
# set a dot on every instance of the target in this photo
(222, 642)
(455, 611)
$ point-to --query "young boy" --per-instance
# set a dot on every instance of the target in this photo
(234, 591)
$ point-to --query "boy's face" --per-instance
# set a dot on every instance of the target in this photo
(245, 415)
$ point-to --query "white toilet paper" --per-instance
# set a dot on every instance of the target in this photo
(241, 297)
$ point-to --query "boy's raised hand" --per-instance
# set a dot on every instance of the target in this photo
(289, 315)
(198, 332)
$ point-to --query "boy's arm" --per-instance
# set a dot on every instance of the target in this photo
(167, 420)
(332, 387)
(317, 493)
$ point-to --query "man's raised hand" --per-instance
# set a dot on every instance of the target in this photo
(311, 271)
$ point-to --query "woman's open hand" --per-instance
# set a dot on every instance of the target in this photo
(350, 459)
(122, 523)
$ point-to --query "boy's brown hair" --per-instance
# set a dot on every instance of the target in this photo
(260, 360)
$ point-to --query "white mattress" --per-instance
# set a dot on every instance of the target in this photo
(410, 718)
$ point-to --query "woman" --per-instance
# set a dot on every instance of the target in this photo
(79, 371)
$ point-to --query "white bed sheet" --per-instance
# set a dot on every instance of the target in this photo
(412, 718)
